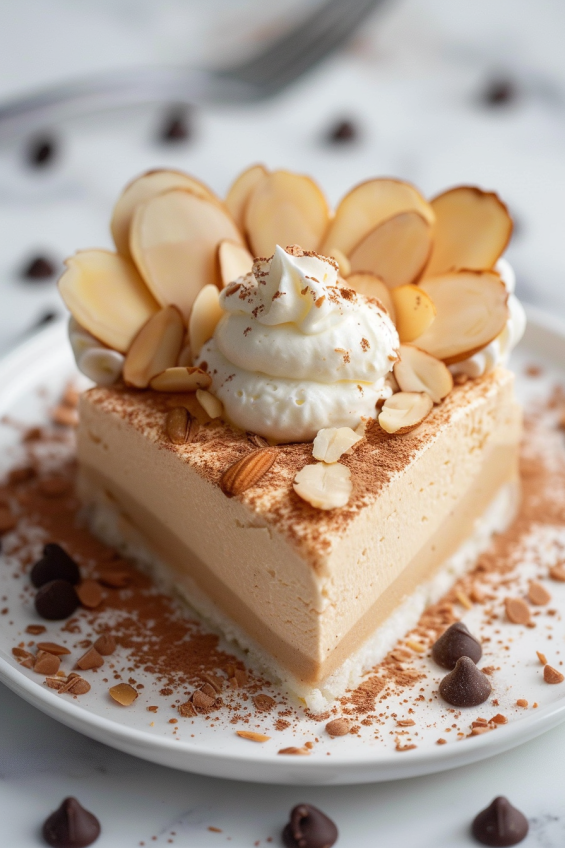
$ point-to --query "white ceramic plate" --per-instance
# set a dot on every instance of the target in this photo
(45, 363)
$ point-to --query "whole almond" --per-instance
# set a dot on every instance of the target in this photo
(247, 471)
(181, 426)
(517, 611)
(338, 727)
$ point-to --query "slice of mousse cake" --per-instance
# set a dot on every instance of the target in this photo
(310, 447)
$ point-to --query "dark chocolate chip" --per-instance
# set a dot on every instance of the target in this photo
(55, 564)
(38, 268)
(176, 127)
(71, 826)
(343, 132)
(456, 642)
(309, 828)
(56, 600)
(500, 824)
(499, 92)
(465, 686)
(41, 151)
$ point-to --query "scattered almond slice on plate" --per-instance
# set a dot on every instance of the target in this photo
(397, 250)
(285, 208)
(404, 411)
(173, 240)
(324, 486)
(370, 285)
(368, 205)
(106, 296)
(471, 311)
(414, 311)
(143, 188)
(241, 190)
(418, 371)
(181, 379)
(332, 442)
(473, 228)
(155, 348)
(204, 318)
(234, 261)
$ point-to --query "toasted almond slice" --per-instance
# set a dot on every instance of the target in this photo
(107, 297)
(372, 286)
(241, 190)
(252, 736)
(285, 208)
(332, 442)
(404, 411)
(397, 250)
(204, 318)
(143, 188)
(414, 311)
(368, 205)
(155, 348)
(471, 311)
(173, 240)
(418, 371)
(209, 403)
(101, 365)
(324, 486)
(342, 261)
(247, 471)
(234, 261)
(181, 379)
(124, 694)
(473, 228)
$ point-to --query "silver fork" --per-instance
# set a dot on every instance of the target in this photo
(277, 66)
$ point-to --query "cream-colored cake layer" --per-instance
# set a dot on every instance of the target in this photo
(308, 587)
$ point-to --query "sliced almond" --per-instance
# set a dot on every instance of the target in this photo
(252, 736)
(324, 486)
(210, 404)
(241, 190)
(155, 348)
(332, 442)
(234, 261)
(181, 379)
(124, 694)
(418, 371)
(107, 297)
(473, 228)
(285, 208)
(517, 611)
(538, 594)
(404, 411)
(173, 240)
(204, 318)
(370, 285)
(368, 205)
(342, 261)
(143, 188)
(247, 471)
(397, 250)
(414, 311)
(101, 365)
(471, 311)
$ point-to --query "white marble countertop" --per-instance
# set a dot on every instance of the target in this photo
(412, 81)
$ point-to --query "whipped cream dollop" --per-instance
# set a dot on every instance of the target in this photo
(498, 351)
(296, 352)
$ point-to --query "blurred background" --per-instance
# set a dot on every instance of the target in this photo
(438, 92)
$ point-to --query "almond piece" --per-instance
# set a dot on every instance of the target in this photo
(324, 486)
(404, 411)
(332, 442)
(177, 425)
(551, 675)
(472, 230)
(209, 403)
(123, 694)
(53, 648)
(538, 594)
(89, 594)
(241, 190)
(471, 311)
(285, 208)
(418, 371)
(557, 572)
(338, 727)
(368, 205)
(414, 311)
(155, 348)
(90, 659)
(397, 250)
(372, 286)
(180, 379)
(253, 737)
(173, 240)
(204, 317)
(105, 644)
(234, 261)
(46, 663)
(247, 471)
(106, 295)
(517, 611)
(143, 188)
(101, 365)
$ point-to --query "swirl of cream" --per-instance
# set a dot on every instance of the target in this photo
(296, 351)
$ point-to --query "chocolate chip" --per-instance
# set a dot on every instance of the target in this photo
(465, 686)
(71, 826)
(456, 642)
(500, 824)
(309, 828)
(56, 600)
(343, 132)
(38, 268)
(499, 92)
(55, 564)
(41, 151)
(176, 127)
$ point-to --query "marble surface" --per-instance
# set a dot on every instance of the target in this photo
(413, 80)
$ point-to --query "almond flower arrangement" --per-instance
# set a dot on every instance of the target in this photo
(144, 312)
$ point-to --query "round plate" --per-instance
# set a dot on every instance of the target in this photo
(31, 378)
